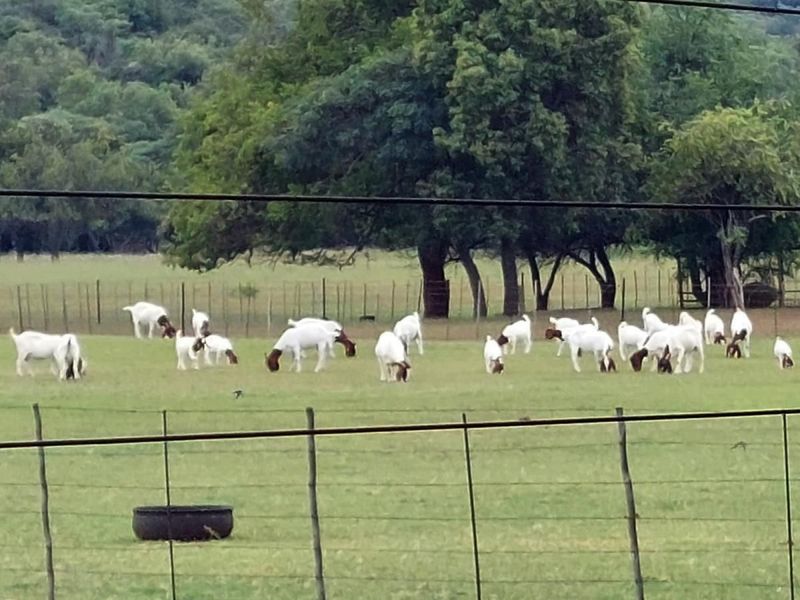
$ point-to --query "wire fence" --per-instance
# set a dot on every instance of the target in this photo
(662, 505)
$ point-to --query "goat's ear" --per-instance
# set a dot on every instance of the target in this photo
(667, 354)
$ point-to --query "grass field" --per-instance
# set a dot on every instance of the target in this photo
(394, 507)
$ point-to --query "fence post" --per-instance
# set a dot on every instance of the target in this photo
(313, 508)
(419, 295)
(622, 307)
(45, 306)
(48, 539)
(324, 299)
(28, 303)
(97, 299)
(631, 504)
(562, 291)
(183, 306)
(475, 554)
(391, 310)
(19, 307)
(708, 291)
(635, 290)
(364, 300)
(790, 542)
(63, 307)
(169, 504)
(522, 292)
(88, 309)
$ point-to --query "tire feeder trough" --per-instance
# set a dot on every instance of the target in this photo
(184, 523)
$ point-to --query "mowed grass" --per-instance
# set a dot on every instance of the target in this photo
(394, 507)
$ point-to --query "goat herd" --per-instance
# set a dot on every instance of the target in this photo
(657, 341)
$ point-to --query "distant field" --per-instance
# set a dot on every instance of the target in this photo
(243, 300)
(394, 511)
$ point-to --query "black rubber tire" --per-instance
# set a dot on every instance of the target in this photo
(185, 523)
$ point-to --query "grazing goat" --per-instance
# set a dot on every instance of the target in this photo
(629, 336)
(145, 314)
(333, 327)
(63, 352)
(598, 343)
(200, 323)
(714, 328)
(187, 347)
(216, 347)
(741, 330)
(555, 333)
(296, 339)
(783, 352)
(518, 331)
(493, 356)
(651, 321)
(682, 340)
(686, 319)
(409, 329)
(392, 357)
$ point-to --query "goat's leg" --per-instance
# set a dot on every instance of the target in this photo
(419, 344)
(528, 344)
(560, 347)
(151, 329)
(574, 355)
(747, 346)
(322, 352)
(622, 352)
(20, 366)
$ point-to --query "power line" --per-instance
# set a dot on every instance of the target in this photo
(773, 10)
(381, 200)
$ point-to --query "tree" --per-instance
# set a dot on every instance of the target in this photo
(728, 156)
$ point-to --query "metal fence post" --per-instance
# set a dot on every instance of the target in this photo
(183, 306)
(790, 542)
(475, 554)
(169, 504)
(631, 504)
(622, 307)
(319, 575)
(48, 539)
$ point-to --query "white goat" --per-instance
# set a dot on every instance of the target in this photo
(409, 329)
(216, 347)
(390, 351)
(296, 339)
(518, 331)
(187, 347)
(570, 326)
(783, 352)
(146, 314)
(741, 330)
(200, 323)
(598, 343)
(714, 328)
(629, 336)
(688, 320)
(68, 358)
(62, 351)
(330, 325)
(681, 340)
(493, 356)
(651, 321)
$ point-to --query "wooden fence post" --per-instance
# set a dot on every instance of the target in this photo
(631, 505)
(97, 299)
(319, 576)
(48, 539)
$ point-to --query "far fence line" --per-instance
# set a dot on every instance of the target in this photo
(634, 585)
(248, 308)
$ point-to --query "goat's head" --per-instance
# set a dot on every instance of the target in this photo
(665, 362)
(607, 365)
(349, 345)
(271, 360)
(787, 362)
(497, 366)
(402, 370)
(232, 358)
(719, 338)
(167, 330)
(739, 336)
(733, 350)
(198, 344)
(553, 334)
(204, 330)
(502, 340)
(637, 358)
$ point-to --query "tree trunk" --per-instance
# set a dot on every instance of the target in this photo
(698, 291)
(542, 292)
(733, 283)
(436, 289)
(475, 283)
(508, 261)
(605, 278)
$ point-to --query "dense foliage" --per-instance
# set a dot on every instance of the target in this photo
(550, 99)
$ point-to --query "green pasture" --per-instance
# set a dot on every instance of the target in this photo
(394, 507)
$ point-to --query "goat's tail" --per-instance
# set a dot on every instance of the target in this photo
(292, 323)
(128, 308)
(11, 332)
(416, 314)
(526, 318)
